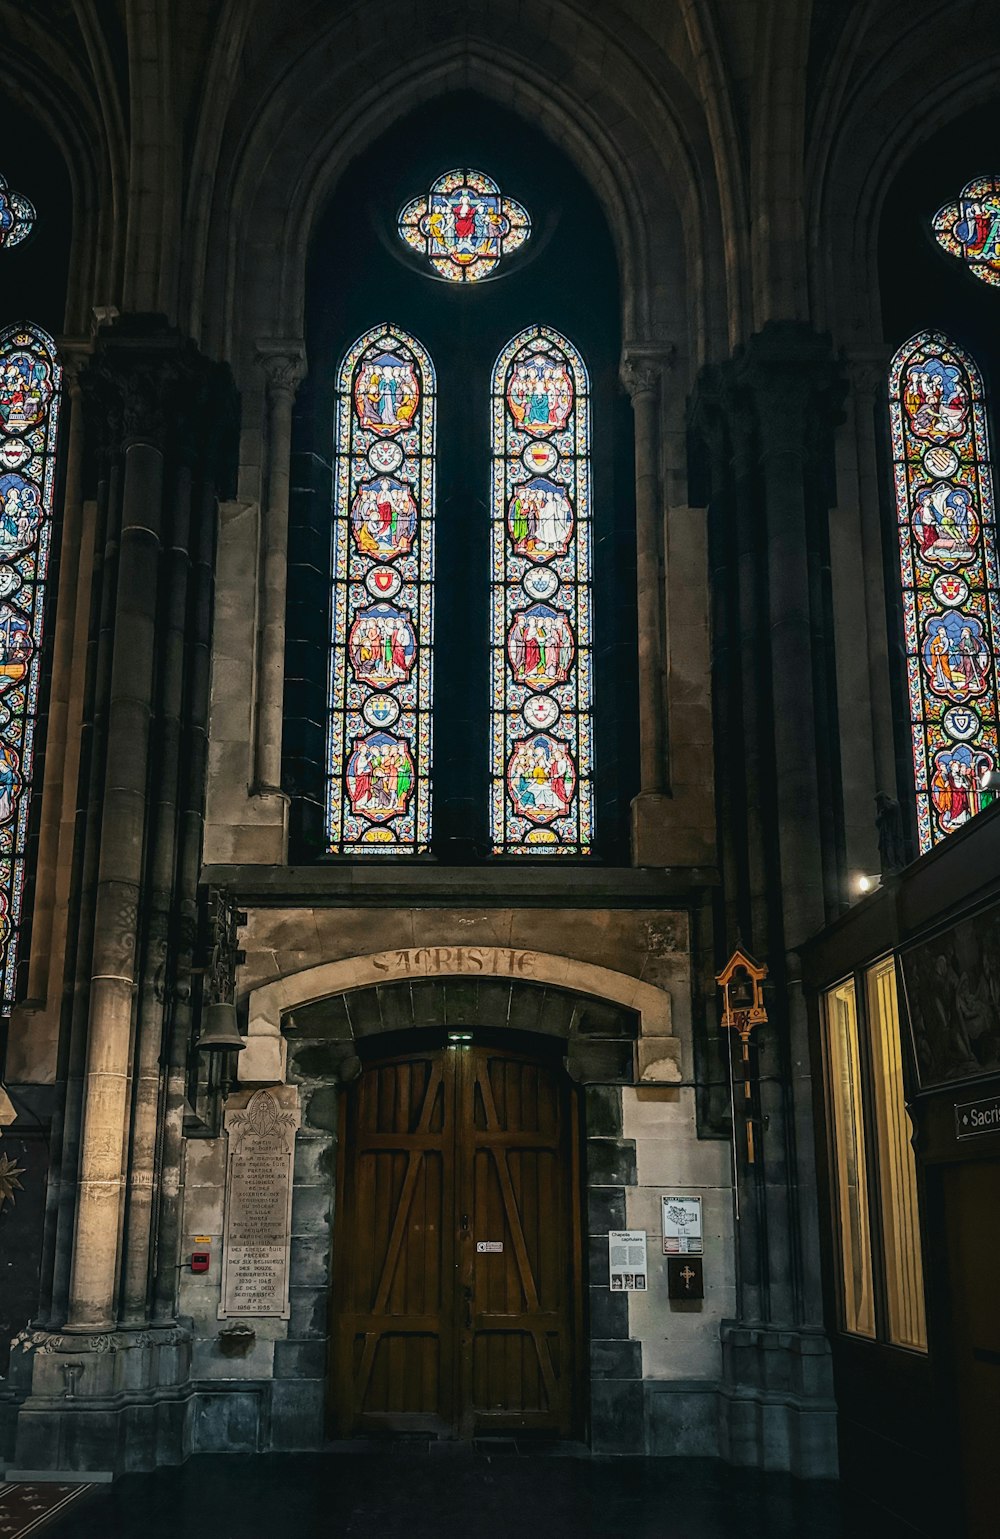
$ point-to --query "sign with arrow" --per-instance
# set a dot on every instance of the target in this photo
(975, 1117)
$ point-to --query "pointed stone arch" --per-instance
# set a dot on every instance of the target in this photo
(640, 140)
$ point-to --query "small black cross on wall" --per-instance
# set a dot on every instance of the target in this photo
(685, 1279)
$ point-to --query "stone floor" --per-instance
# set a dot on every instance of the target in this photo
(399, 1493)
(25, 1507)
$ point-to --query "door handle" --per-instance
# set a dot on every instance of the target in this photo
(465, 1223)
(468, 1309)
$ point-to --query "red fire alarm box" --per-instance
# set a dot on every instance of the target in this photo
(202, 1257)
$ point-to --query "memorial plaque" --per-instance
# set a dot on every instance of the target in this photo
(257, 1241)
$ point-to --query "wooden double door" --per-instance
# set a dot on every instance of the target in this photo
(457, 1304)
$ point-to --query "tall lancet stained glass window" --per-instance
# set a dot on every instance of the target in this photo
(948, 565)
(30, 378)
(541, 787)
(379, 752)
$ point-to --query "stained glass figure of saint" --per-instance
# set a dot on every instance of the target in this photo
(464, 225)
(969, 228)
(379, 772)
(541, 670)
(30, 377)
(948, 570)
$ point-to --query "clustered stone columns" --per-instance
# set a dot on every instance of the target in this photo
(673, 814)
(641, 377)
(871, 770)
(640, 373)
(765, 420)
(158, 418)
(284, 368)
(113, 974)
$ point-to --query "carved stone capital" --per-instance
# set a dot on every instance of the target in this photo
(75, 354)
(102, 409)
(148, 384)
(795, 385)
(284, 367)
(642, 368)
(869, 371)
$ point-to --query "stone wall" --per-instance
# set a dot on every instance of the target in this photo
(654, 1367)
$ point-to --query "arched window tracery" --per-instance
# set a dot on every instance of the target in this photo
(30, 382)
(950, 587)
(379, 746)
(584, 764)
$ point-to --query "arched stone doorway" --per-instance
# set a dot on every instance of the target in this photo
(449, 1050)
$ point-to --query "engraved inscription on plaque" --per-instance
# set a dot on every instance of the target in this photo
(257, 1242)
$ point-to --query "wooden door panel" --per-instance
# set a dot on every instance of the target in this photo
(517, 1166)
(443, 1150)
(394, 1328)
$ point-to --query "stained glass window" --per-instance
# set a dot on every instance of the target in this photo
(541, 787)
(464, 225)
(29, 412)
(379, 764)
(17, 215)
(948, 563)
(970, 228)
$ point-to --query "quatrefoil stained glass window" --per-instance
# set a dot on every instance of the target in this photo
(17, 216)
(464, 225)
(969, 228)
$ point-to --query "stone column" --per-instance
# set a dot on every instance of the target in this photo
(157, 381)
(185, 929)
(107, 1084)
(158, 904)
(102, 403)
(690, 833)
(785, 373)
(284, 368)
(641, 374)
(772, 409)
(169, 875)
(869, 373)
